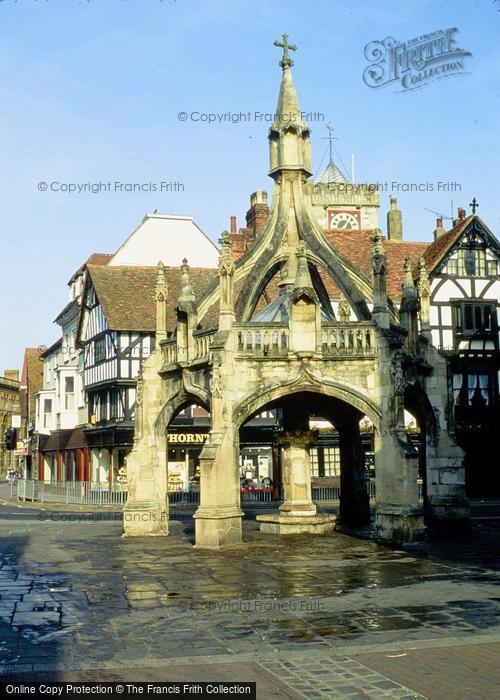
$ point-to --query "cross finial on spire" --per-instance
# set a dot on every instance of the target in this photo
(286, 61)
(474, 205)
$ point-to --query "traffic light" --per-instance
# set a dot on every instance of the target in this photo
(10, 439)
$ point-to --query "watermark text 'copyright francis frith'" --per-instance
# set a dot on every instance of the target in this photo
(108, 186)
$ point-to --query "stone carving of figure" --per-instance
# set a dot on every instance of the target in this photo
(344, 310)
(397, 374)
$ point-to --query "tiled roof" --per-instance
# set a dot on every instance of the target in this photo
(356, 246)
(95, 259)
(126, 294)
(331, 174)
(437, 250)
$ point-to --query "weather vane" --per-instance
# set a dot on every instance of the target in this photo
(330, 138)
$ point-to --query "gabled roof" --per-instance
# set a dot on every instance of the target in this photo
(126, 294)
(441, 247)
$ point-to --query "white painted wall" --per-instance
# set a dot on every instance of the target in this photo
(169, 239)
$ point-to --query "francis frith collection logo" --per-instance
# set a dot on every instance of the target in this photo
(414, 63)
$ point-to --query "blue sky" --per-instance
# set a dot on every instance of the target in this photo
(91, 92)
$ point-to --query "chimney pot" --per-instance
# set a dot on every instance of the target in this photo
(461, 213)
(233, 224)
(439, 222)
(394, 203)
(258, 197)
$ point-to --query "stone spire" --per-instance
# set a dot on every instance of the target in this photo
(380, 313)
(409, 307)
(161, 296)
(289, 144)
(186, 293)
(303, 280)
(226, 274)
(424, 293)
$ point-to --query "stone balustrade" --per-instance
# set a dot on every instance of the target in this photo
(202, 343)
(356, 339)
(351, 339)
(169, 352)
(263, 339)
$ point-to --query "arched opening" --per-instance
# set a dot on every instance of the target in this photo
(315, 451)
(187, 432)
(421, 429)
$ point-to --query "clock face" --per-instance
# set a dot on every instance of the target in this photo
(344, 220)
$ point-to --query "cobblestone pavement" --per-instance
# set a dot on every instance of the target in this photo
(309, 617)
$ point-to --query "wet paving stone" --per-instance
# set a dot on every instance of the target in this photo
(161, 598)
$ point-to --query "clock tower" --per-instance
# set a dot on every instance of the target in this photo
(342, 205)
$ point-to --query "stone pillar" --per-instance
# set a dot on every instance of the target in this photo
(218, 518)
(447, 503)
(146, 510)
(297, 514)
(297, 472)
(354, 497)
(400, 516)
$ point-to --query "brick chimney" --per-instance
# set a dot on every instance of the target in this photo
(461, 216)
(394, 222)
(439, 230)
(258, 213)
(238, 244)
(12, 374)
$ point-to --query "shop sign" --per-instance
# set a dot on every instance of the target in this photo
(187, 438)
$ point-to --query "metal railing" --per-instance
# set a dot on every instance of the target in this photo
(98, 493)
(115, 493)
(330, 492)
(193, 497)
